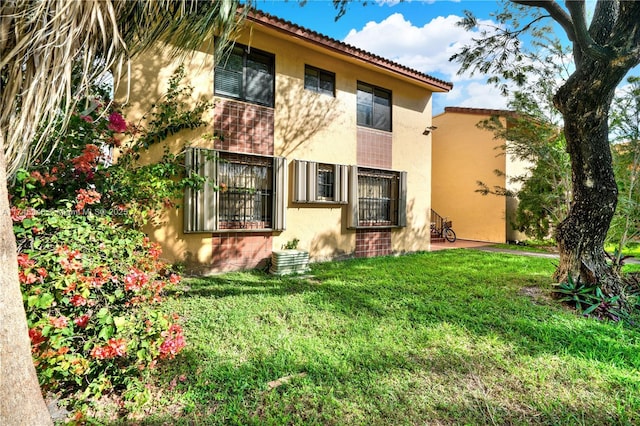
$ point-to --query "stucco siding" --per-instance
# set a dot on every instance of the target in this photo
(301, 125)
(464, 154)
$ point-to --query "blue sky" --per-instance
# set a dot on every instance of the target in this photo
(419, 34)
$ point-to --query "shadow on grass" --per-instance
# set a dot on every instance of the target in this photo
(246, 284)
(415, 296)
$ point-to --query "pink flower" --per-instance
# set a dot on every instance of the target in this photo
(82, 321)
(174, 278)
(24, 261)
(117, 123)
(78, 300)
(87, 197)
(17, 215)
(135, 280)
(114, 348)
(36, 336)
(59, 322)
(87, 118)
(173, 342)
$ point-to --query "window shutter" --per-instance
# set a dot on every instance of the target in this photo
(402, 199)
(352, 211)
(200, 213)
(312, 181)
(341, 184)
(279, 193)
(300, 181)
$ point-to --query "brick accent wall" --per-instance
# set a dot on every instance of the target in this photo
(374, 148)
(237, 251)
(244, 127)
(371, 243)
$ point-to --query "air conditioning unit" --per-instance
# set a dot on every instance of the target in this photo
(285, 262)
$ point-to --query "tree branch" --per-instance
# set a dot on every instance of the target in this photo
(557, 14)
(583, 37)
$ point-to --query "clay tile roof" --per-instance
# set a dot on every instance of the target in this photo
(314, 37)
(480, 111)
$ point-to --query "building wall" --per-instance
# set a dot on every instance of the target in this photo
(514, 167)
(462, 155)
(303, 125)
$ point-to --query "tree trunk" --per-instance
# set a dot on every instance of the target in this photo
(21, 402)
(584, 101)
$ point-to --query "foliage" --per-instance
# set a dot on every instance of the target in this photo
(91, 281)
(291, 245)
(89, 287)
(534, 136)
(590, 300)
(625, 124)
(79, 165)
(604, 48)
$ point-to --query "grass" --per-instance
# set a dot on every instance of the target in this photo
(526, 247)
(448, 337)
(631, 249)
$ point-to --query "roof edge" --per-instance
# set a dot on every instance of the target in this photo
(481, 111)
(297, 31)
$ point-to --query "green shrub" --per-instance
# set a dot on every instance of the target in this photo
(91, 281)
(89, 286)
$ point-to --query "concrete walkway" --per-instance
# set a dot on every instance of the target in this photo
(459, 244)
(485, 246)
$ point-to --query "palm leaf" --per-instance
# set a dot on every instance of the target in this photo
(41, 40)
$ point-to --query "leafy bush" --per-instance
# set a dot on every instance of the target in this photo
(91, 281)
(90, 286)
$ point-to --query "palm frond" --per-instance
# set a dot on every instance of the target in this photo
(41, 40)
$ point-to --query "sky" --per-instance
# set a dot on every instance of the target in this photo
(421, 34)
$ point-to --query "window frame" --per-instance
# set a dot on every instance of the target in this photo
(306, 181)
(397, 216)
(318, 88)
(247, 55)
(362, 106)
(202, 212)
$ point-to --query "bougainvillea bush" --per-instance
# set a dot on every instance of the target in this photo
(91, 287)
(91, 281)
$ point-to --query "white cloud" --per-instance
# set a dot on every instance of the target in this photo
(428, 49)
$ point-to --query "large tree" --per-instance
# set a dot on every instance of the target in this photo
(39, 43)
(605, 48)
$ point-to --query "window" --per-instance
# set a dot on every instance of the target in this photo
(326, 182)
(245, 191)
(320, 183)
(247, 75)
(250, 192)
(319, 80)
(374, 107)
(377, 198)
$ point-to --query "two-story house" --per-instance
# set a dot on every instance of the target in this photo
(320, 142)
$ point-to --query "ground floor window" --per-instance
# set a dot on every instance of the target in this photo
(378, 198)
(242, 191)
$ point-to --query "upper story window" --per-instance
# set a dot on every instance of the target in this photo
(326, 182)
(319, 80)
(246, 74)
(374, 107)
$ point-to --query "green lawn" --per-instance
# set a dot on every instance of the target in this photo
(449, 337)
